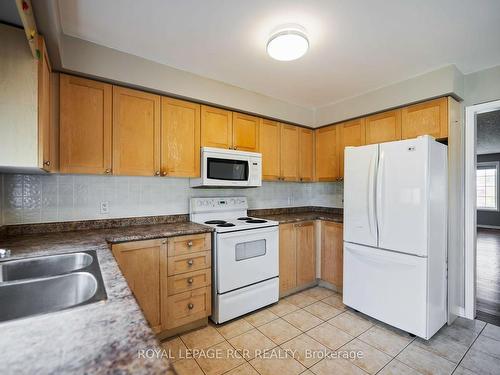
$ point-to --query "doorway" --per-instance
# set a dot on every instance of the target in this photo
(482, 216)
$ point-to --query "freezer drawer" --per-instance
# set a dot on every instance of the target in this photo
(387, 286)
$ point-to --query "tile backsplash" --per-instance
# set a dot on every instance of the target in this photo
(48, 198)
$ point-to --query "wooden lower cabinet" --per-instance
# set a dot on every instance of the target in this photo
(140, 263)
(297, 256)
(288, 258)
(306, 253)
(184, 308)
(172, 291)
(332, 253)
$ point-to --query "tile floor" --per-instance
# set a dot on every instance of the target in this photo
(277, 340)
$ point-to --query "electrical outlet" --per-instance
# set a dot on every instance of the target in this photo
(104, 207)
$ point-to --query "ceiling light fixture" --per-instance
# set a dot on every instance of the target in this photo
(288, 43)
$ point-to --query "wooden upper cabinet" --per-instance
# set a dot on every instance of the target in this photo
(85, 125)
(429, 118)
(289, 152)
(180, 138)
(332, 258)
(287, 257)
(143, 263)
(306, 253)
(45, 138)
(306, 154)
(383, 127)
(327, 163)
(351, 133)
(216, 127)
(136, 132)
(269, 134)
(245, 132)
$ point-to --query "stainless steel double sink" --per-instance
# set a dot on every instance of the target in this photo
(44, 284)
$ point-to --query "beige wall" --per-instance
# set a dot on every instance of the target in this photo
(444, 81)
(482, 86)
(98, 61)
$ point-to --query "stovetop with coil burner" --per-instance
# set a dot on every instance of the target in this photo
(225, 214)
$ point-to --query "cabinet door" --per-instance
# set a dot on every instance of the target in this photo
(289, 152)
(306, 154)
(327, 164)
(288, 259)
(85, 125)
(332, 253)
(44, 108)
(180, 138)
(429, 118)
(270, 148)
(306, 254)
(383, 127)
(216, 127)
(352, 133)
(245, 132)
(143, 263)
(136, 132)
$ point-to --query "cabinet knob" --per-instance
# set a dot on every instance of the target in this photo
(164, 173)
(190, 306)
(107, 171)
(164, 242)
(190, 243)
(190, 262)
(190, 280)
(46, 162)
(157, 173)
(235, 148)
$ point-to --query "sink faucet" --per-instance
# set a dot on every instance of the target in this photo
(4, 253)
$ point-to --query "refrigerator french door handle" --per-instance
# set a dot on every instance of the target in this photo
(371, 195)
(378, 194)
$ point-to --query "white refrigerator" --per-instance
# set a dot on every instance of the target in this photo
(395, 231)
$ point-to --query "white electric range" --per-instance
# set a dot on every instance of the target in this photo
(245, 256)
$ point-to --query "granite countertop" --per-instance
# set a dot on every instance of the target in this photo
(97, 338)
(293, 217)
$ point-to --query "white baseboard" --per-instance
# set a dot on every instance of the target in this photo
(489, 226)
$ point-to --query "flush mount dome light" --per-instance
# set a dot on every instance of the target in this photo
(288, 44)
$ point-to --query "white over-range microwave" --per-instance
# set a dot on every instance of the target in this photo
(229, 168)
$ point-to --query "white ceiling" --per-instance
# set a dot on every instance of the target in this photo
(355, 45)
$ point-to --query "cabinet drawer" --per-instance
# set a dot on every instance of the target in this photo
(188, 281)
(187, 307)
(189, 244)
(188, 262)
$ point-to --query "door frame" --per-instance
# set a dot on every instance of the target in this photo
(470, 233)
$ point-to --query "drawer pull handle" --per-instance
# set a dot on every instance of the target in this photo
(190, 306)
(190, 280)
(190, 243)
(190, 262)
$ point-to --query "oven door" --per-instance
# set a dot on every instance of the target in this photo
(246, 257)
